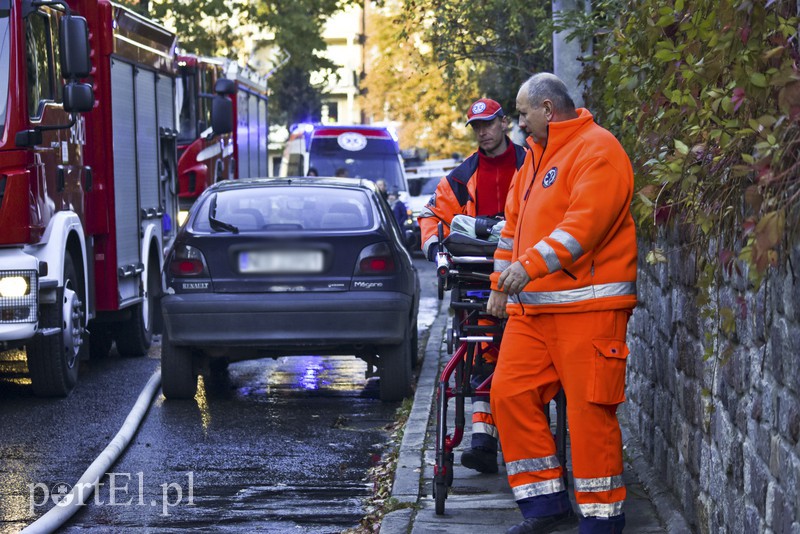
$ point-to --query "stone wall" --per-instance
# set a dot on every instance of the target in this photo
(717, 408)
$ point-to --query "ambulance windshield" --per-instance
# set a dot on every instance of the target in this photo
(4, 66)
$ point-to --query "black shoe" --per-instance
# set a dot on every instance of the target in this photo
(540, 525)
(479, 459)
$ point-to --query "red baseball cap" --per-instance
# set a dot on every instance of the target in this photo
(484, 109)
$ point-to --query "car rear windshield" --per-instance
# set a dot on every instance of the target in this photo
(291, 208)
(377, 160)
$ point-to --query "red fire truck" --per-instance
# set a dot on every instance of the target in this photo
(88, 189)
(206, 157)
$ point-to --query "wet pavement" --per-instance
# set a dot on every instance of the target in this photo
(266, 446)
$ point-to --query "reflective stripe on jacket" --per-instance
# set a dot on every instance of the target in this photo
(568, 223)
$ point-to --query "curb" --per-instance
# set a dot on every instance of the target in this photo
(407, 479)
(663, 501)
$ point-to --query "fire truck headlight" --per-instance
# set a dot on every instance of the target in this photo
(19, 296)
(14, 286)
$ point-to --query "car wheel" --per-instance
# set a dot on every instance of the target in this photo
(178, 380)
(395, 372)
(414, 345)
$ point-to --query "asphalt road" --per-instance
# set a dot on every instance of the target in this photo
(268, 445)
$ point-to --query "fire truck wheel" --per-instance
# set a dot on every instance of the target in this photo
(135, 335)
(53, 360)
(178, 380)
(395, 372)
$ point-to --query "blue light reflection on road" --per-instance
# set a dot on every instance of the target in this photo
(310, 379)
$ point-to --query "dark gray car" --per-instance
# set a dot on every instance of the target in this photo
(290, 266)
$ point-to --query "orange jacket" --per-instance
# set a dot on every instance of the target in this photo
(455, 194)
(568, 222)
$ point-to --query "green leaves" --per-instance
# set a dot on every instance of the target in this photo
(758, 79)
(712, 120)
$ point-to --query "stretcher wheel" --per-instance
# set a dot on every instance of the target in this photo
(450, 344)
(440, 493)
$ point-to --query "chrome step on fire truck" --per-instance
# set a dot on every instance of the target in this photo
(88, 188)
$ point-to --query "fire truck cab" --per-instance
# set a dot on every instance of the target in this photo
(205, 155)
(88, 189)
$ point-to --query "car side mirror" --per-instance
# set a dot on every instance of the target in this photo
(221, 115)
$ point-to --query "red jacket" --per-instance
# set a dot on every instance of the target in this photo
(568, 222)
(457, 192)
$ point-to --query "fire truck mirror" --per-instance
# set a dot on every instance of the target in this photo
(74, 43)
(224, 86)
(221, 115)
(78, 97)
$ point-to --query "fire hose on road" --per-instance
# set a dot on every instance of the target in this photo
(83, 489)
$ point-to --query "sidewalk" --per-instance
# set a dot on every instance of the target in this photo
(484, 503)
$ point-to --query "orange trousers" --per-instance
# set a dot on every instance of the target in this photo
(484, 431)
(585, 353)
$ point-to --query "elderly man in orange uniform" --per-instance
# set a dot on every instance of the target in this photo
(565, 276)
(478, 187)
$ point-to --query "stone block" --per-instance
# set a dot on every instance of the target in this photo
(684, 401)
(768, 402)
(788, 408)
(757, 481)
(723, 436)
(753, 519)
(786, 292)
(780, 515)
(695, 448)
(759, 314)
(647, 396)
(703, 508)
(705, 465)
(664, 313)
(660, 463)
(781, 345)
(691, 489)
(717, 481)
(737, 465)
(743, 410)
(734, 513)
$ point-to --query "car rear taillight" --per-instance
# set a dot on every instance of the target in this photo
(187, 261)
(375, 259)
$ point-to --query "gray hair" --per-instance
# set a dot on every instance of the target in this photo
(546, 86)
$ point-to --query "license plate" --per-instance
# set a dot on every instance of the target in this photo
(281, 261)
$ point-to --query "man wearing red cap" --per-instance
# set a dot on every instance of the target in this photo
(477, 187)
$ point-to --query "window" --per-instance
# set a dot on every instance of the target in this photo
(38, 51)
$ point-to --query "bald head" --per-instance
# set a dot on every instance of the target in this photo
(543, 99)
(546, 86)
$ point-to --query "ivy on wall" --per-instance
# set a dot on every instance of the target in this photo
(705, 97)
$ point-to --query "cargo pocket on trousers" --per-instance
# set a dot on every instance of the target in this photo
(608, 381)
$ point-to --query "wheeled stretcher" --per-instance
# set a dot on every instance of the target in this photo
(464, 265)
